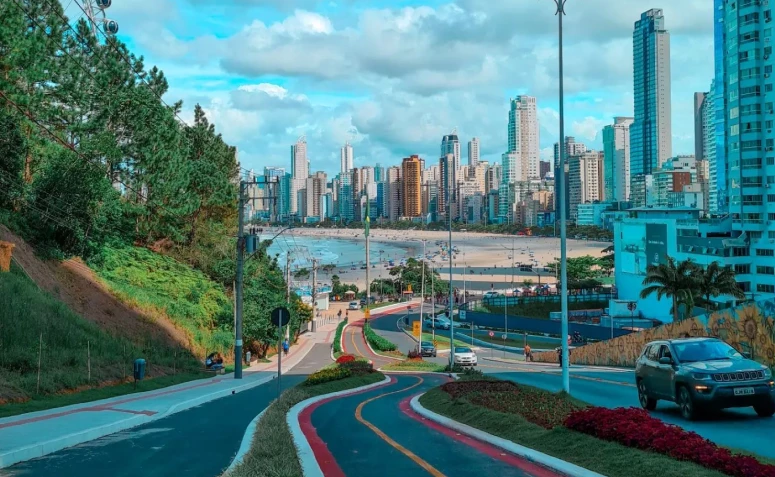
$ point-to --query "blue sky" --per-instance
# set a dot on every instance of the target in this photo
(393, 77)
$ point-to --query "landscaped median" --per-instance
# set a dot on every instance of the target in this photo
(338, 338)
(612, 442)
(273, 451)
(379, 344)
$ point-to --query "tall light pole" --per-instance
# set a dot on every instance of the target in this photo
(422, 293)
(451, 294)
(563, 200)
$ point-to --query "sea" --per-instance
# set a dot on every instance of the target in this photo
(339, 251)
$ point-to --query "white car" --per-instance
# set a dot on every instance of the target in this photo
(354, 305)
(465, 356)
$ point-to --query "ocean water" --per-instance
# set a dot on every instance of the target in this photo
(339, 251)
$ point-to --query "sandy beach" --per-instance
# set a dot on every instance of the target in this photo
(482, 260)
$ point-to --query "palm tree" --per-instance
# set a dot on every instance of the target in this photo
(673, 280)
(716, 280)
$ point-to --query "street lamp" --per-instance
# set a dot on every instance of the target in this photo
(562, 195)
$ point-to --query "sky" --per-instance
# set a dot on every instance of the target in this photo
(393, 77)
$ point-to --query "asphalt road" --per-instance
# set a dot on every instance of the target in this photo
(405, 446)
(736, 428)
(198, 442)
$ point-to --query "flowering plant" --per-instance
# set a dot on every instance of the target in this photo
(345, 358)
(634, 427)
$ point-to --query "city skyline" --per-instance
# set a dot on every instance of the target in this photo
(264, 108)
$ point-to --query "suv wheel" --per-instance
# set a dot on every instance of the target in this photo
(686, 403)
(646, 402)
(765, 408)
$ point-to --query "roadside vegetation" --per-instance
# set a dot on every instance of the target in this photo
(45, 348)
(120, 182)
(543, 421)
(543, 309)
(380, 344)
(338, 338)
(273, 452)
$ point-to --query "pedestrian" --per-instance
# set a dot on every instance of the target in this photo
(528, 353)
(286, 346)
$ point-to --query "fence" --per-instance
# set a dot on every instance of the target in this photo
(549, 298)
(537, 325)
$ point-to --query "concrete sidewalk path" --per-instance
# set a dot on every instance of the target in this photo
(36, 434)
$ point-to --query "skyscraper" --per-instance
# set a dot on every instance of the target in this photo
(346, 158)
(473, 152)
(616, 161)
(650, 134)
(585, 184)
(447, 185)
(523, 136)
(299, 172)
(411, 186)
(699, 102)
(719, 202)
(750, 150)
(393, 193)
(450, 144)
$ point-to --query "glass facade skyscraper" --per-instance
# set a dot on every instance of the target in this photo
(650, 134)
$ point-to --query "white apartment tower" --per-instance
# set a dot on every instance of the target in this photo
(299, 172)
(346, 158)
(523, 136)
(473, 152)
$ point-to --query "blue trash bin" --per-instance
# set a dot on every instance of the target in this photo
(139, 369)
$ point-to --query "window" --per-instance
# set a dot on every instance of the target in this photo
(653, 352)
(742, 269)
(764, 288)
(763, 252)
(765, 270)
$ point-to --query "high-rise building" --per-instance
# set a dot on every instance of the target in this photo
(346, 158)
(750, 148)
(315, 191)
(493, 178)
(299, 172)
(379, 173)
(616, 160)
(706, 167)
(447, 185)
(523, 135)
(392, 193)
(585, 180)
(356, 187)
(450, 144)
(699, 105)
(544, 168)
(367, 175)
(719, 201)
(511, 167)
(572, 148)
(650, 134)
(411, 186)
(473, 152)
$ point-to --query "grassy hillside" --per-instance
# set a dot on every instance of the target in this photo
(157, 284)
(542, 310)
(27, 314)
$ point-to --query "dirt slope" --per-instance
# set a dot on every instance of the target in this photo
(73, 283)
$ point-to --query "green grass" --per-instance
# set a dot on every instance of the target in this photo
(29, 314)
(59, 400)
(607, 458)
(542, 309)
(158, 284)
(338, 337)
(442, 340)
(376, 341)
(273, 452)
(413, 366)
(517, 343)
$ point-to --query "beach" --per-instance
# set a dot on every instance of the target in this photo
(483, 261)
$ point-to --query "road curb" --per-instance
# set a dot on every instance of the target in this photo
(565, 468)
(247, 441)
(309, 463)
(43, 448)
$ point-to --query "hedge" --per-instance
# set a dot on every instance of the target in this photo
(377, 342)
(338, 336)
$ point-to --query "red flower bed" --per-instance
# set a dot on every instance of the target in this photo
(634, 427)
(345, 358)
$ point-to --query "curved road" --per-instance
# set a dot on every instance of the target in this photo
(735, 428)
(200, 441)
(355, 428)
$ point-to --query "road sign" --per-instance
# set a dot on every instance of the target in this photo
(416, 327)
(280, 316)
(503, 336)
(367, 313)
(462, 315)
(492, 333)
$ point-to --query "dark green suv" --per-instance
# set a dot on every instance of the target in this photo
(702, 374)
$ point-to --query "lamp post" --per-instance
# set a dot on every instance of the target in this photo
(563, 200)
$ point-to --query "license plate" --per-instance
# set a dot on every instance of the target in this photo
(744, 391)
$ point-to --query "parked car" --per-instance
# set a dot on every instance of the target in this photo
(465, 356)
(702, 374)
(491, 294)
(354, 305)
(438, 323)
(427, 349)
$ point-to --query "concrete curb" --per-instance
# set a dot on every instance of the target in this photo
(309, 464)
(565, 468)
(247, 441)
(47, 447)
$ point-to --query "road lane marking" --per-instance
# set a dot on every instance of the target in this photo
(416, 459)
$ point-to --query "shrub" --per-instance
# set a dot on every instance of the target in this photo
(345, 358)
(338, 336)
(636, 428)
(326, 375)
(358, 366)
(377, 342)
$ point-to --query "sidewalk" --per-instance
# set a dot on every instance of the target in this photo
(36, 434)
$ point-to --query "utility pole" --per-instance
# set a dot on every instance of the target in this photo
(288, 276)
(422, 293)
(368, 251)
(314, 286)
(563, 212)
(451, 290)
(238, 282)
